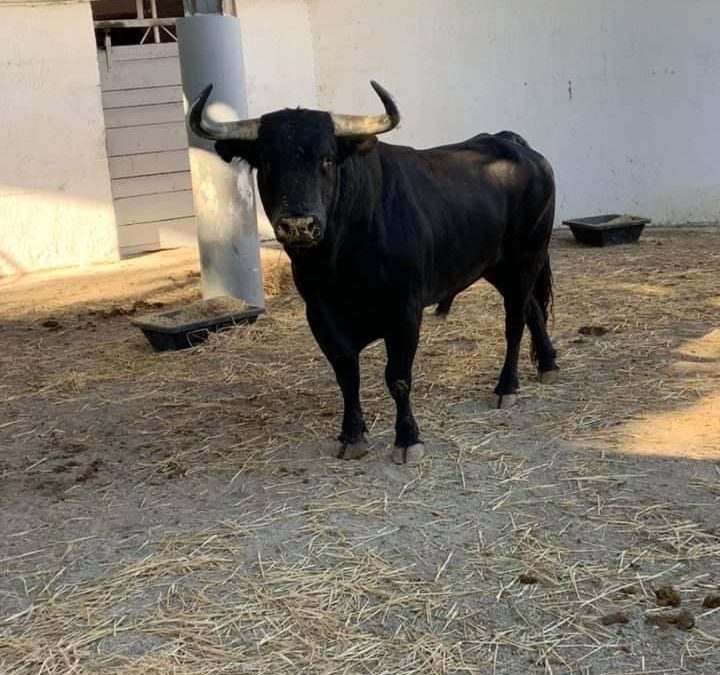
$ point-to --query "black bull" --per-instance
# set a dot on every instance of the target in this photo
(377, 232)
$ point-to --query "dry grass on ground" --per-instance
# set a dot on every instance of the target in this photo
(183, 512)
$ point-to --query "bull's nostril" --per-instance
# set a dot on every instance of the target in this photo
(302, 230)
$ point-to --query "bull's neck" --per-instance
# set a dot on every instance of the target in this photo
(357, 208)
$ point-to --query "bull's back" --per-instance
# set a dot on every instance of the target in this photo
(469, 177)
(458, 206)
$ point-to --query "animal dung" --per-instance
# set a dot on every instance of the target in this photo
(667, 596)
(681, 619)
(614, 618)
(528, 578)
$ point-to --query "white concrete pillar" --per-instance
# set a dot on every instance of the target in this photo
(210, 48)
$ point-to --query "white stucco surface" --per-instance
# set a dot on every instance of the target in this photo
(621, 95)
(278, 48)
(55, 203)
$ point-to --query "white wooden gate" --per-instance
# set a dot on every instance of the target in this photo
(147, 147)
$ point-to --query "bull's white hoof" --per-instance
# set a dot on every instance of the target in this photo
(353, 450)
(549, 376)
(411, 455)
(506, 401)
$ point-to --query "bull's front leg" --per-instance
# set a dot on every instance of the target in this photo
(344, 359)
(401, 344)
(353, 444)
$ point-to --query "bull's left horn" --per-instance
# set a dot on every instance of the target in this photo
(244, 130)
(368, 125)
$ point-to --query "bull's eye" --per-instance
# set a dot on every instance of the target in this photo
(327, 162)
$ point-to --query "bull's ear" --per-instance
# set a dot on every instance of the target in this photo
(360, 145)
(246, 150)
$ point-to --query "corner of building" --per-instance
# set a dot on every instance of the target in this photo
(56, 206)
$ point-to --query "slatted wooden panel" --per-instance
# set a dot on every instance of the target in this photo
(149, 163)
(147, 147)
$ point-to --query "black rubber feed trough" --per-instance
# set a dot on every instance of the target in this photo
(191, 325)
(612, 228)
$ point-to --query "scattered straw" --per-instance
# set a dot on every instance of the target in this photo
(214, 308)
(191, 518)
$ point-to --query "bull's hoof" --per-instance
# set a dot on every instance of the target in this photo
(506, 401)
(549, 376)
(353, 450)
(410, 455)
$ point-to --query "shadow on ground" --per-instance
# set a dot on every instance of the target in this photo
(184, 511)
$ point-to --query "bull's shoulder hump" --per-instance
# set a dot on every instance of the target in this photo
(392, 148)
(501, 156)
(468, 144)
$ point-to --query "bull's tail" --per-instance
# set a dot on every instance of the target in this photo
(542, 231)
(543, 290)
(543, 294)
(443, 308)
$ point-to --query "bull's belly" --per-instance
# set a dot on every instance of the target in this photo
(439, 294)
(452, 277)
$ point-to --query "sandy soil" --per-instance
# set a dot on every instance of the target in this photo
(184, 512)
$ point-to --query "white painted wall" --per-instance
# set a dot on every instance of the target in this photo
(622, 96)
(636, 135)
(55, 203)
(278, 51)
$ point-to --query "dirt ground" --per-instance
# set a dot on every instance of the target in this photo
(184, 513)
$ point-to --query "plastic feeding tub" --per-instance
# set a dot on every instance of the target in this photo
(191, 325)
(606, 230)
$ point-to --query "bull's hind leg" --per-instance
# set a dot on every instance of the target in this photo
(401, 345)
(515, 281)
(543, 352)
(507, 386)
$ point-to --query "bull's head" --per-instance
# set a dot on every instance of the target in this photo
(297, 154)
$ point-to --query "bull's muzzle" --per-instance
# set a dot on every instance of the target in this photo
(301, 232)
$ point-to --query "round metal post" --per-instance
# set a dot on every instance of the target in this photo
(210, 49)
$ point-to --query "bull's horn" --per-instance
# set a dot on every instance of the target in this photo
(245, 130)
(368, 125)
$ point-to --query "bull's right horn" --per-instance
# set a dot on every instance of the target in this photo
(244, 130)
